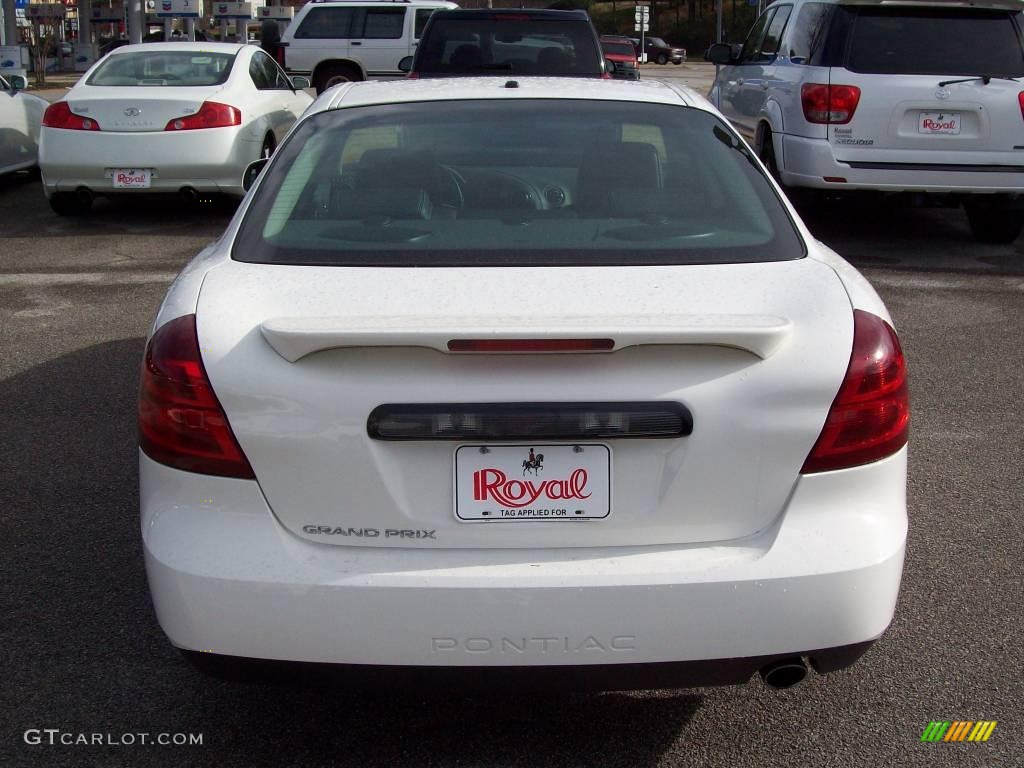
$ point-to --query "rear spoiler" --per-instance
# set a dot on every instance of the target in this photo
(295, 337)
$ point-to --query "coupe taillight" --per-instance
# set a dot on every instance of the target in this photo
(181, 422)
(870, 416)
(829, 104)
(59, 115)
(211, 114)
(1020, 100)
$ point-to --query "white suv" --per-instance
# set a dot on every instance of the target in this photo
(340, 40)
(922, 98)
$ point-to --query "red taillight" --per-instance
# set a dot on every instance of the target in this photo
(59, 115)
(530, 345)
(279, 55)
(870, 417)
(1020, 100)
(181, 423)
(829, 104)
(211, 115)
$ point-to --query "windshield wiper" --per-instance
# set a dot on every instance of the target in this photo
(985, 79)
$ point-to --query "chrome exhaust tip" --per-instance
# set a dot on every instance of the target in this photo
(784, 673)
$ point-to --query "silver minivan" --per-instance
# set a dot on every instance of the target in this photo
(919, 97)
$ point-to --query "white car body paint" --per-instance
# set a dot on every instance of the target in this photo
(716, 547)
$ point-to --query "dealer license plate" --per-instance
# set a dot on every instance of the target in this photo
(939, 122)
(514, 483)
(132, 178)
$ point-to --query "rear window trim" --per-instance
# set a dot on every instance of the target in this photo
(588, 260)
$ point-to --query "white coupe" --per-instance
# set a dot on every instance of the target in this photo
(20, 116)
(179, 118)
(522, 377)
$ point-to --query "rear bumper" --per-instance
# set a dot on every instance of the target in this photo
(567, 677)
(807, 162)
(227, 579)
(210, 160)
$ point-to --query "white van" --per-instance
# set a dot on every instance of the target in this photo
(341, 40)
(919, 97)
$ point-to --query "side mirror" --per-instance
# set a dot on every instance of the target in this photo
(300, 83)
(721, 53)
(405, 65)
(18, 83)
(252, 172)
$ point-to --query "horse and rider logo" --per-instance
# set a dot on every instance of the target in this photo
(534, 463)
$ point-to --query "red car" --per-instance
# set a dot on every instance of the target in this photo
(620, 52)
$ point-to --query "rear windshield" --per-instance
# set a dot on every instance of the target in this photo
(515, 182)
(525, 47)
(935, 41)
(621, 49)
(181, 68)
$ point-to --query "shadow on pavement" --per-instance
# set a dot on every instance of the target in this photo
(880, 232)
(25, 212)
(82, 652)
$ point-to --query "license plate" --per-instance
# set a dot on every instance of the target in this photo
(132, 178)
(939, 122)
(515, 483)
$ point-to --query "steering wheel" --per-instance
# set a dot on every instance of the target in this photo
(449, 190)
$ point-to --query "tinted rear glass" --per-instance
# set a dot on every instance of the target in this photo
(620, 49)
(171, 68)
(935, 41)
(529, 46)
(515, 182)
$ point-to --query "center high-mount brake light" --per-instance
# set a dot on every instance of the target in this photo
(181, 422)
(530, 346)
(829, 104)
(59, 115)
(870, 416)
(211, 114)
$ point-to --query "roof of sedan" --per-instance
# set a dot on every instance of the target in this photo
(458, 88)
(184, 45)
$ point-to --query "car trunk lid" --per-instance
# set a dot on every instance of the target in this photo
(301, 357)
(143, 109)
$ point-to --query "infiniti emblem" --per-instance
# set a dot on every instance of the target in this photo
(133, 112)
(942, 93)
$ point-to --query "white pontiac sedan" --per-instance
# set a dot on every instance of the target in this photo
(529, 378)
(180, 118)
(20, 116)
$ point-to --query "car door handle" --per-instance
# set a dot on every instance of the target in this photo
(356, 42)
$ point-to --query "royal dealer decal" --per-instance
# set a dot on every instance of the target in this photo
(845, 136)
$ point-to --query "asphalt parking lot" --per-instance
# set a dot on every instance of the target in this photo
(81, 650)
